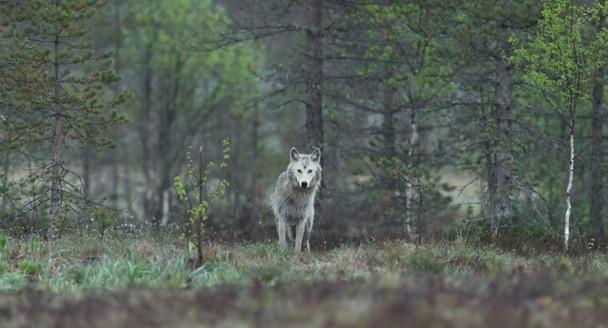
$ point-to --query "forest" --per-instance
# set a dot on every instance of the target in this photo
(461, 143)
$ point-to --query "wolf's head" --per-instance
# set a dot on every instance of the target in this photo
(305, 169)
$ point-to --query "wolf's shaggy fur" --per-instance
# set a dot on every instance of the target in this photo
(294, 196)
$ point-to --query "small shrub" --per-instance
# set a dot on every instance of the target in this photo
(30, 267)
(424, 263)
(564, 263)
(196, 193)
(103, 220)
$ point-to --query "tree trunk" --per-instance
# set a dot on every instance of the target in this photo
(34, 218)
(569, 190)
(144, 133)
(86, 169)
(163, 173)
(388, 124)
(6, 166)
(161, 212)
(412, 182)
(412, 185)
(115, 178)
(389, 146)
(167, 117)
(597, 151)
(235, 177)
(201, 196)
(56, 177)
(116, 152)
(489, 150)
(314, 89)
(597, 154)
(255, 190)
(314, 82)
(490, 182)
(504, 118)
(56, 165)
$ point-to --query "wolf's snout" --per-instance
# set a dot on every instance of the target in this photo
(304, 184)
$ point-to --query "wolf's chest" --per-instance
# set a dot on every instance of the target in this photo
(295, 205)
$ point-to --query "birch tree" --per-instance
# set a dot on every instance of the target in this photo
(562, 60)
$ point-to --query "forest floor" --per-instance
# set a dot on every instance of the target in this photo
(146, 282)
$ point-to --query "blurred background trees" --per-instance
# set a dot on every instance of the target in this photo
(429, 122)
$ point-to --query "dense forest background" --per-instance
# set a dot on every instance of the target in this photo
(435, 118)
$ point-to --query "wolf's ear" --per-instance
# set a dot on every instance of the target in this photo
(316, 154)
(293, 154)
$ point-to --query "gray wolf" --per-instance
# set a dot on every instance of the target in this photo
(294, 197)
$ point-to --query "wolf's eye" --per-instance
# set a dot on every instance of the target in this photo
(309, 171)
(299, 171)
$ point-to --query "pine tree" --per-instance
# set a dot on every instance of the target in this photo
(57, 90)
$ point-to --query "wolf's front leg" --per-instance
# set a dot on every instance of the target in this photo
(309, 224)
(300, 234)
(282, 231)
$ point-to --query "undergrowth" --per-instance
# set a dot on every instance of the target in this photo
(76, 263)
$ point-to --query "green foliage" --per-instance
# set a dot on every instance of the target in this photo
(163, 39)
(565, 52)
(81, 75)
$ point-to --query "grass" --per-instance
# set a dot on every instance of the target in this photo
(77, 263)
(393, 282)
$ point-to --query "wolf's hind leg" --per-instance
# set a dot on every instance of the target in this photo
(289, 232)
(300, 234)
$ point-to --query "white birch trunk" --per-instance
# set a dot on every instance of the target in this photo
(569, 191)
(412, 183)
(165, 208)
